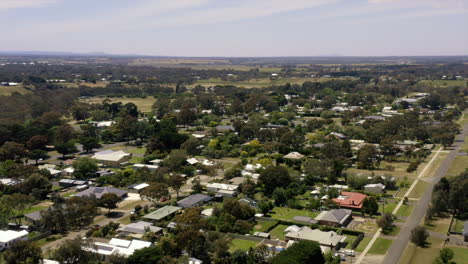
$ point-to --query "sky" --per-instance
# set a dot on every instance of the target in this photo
(237, 28)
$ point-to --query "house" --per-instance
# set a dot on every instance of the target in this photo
(138, 229)
(101, 173)
(374, 188)
(351, 200)
(207, 212)
(261, 235)
(117, 247)
(465, 231)
(68, 183)
(294, 156)
(194, 200)
(338, 135)
(248, 201)
(222, 189)
(137, 188)
(326, 239)
(162, 213)
(237, 180)
(112, 158)
(156, 161)
(223, 129)
(7, 237)
(141, 166)
(98, 192)
(9, 181)
(192, 161)
(34, 217)
(336, 217)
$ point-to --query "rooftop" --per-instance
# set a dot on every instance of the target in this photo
(10, 235)
(162, 212)
(350, 199)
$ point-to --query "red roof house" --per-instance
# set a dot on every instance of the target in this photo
(351, 200)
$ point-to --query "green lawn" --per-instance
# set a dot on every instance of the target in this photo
(138, 150)
(394, 231)
(389, 206)
(241, 244)
(440, 225)
(380, 246)
(287, 214)
(264, 226)
(457, 225)
(458, 165)
(405, 210)
(461, 254)
(34, 208)
(414, 254)
(278, 231)
(363, 244)
(418, 190)
(135, 160)
(350, 240)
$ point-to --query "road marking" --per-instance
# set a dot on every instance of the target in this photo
(377, 234)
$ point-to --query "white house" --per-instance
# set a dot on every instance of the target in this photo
(118, 246)
(374, 188)
(111, 158)
(9, 236)
(222, 189)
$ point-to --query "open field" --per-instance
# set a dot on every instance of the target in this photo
(241, 244)
(143, 104)
(264, 226)
(459, 165)
(8, 90)
(413, 254)
(278, 231)
(418, 190)
(258, 83)
(444, 83)
(440, 225)
(405, 210)
(282, 213)
(461, 254)
(380, 246)
(76, 85)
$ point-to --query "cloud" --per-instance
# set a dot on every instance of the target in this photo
(12, 4)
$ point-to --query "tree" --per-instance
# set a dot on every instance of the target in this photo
(72, 252)
(368, 157)
(196, 185)
(20, 203)
(84, 167)
(37, 154)
(12, 151)
(64, 133)
(154, 192)
(274, 176)
(37, 142)
(109, 201)
(370, 206)
(176, 159)
(316, 168)
(149, 255)
(385, 222)
(419, 236)
(89, 143)
(176, 182)
(66, 148)
(191, 146)
(23, 252)
(445, 256)
(300, 252)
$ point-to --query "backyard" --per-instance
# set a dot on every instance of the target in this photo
(287, 214)
(241, 244)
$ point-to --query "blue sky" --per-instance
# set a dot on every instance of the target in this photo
(237, 27)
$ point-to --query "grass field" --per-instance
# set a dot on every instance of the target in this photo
(282, 213)
(461, 254)
(405, 210)
(440, 225)
(389, 206)
(264, 226)
(278, 232)
(350, 240)
(458, 166)
(241, 244)
(380, 246)
(258, 83)
(363, 244)
(418, 190)
(457, 225)
(444, 83)
(413, 254)
(8, 90)
(143, 104)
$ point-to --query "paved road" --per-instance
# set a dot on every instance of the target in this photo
(399, 244)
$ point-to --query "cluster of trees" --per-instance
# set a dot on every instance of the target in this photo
(450, 196)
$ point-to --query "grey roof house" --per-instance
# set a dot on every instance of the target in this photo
(374, 188)
(138, 228)
(336, 217)
(327, 239)
(100, 191)
(194, 200)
